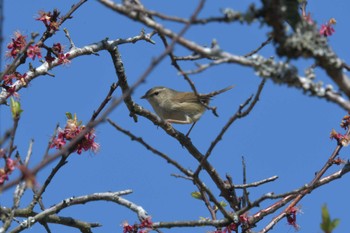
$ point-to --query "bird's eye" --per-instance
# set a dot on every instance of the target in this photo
(156, 93)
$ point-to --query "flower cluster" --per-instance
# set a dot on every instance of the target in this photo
(144, 227)
(230, 228)
(17, 45)
(58, 50)
(342, 139)
(338, 161)
(19, 41)
(326, 29)
(8, 80)
(49, 19)
(345, 122)
(10, 165)
(307, 17)
(233, 227)
(72, 129)
(292, 217)
(34, 51)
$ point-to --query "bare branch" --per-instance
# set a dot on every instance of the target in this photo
(279, 72)
(108, 196)
(69, 38)
(105, 101)
(263, 44)
(296, 196)
(237, 115)
(256, 183)
(195, 223)
(50, 31)
(75, 52)
(150, 148)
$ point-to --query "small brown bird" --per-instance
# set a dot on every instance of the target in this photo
(179, 107)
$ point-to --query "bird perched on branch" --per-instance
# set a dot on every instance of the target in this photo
(179, 107)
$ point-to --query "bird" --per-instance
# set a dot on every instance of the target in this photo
(179, 107)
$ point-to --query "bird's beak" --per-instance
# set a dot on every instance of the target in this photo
(144, 97)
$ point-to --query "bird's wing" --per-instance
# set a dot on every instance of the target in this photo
(191, 98)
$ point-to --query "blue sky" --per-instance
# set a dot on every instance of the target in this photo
(287, 134)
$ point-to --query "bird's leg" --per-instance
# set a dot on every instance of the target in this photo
(168, 124)
(190, 129)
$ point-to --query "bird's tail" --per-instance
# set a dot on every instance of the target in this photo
(214, 93)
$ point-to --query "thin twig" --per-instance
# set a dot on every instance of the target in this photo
(245, 192)
(72, 144)
(19, 191)
(180, 137)
(217, 19)
(29, 153)
(150, 148)
(212, 198)
(237, 115)
(39, 193)
(203, 67)
(21, 57)
(194, 223)
(286, 198)
(205, 199)
(278, 71)
(263, 44)
(64, 157)
(314, 183)
(108, 97)
(188, 58)
(257, 183)
(50, 141)
(171, 161)
(69, 39)
(50, 31)
(6, 136)
(11, 147)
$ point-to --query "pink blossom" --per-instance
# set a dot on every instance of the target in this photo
(59, 142)
(58, 48)
(72, 129)
(10, 164)
(292, 217)
(327, 29)
(17, 44)
(3, 176)
(307, 18)
(63, 58)
(127, 228)
(49, 19)
(34, 51)
(5, 172)
(44, 17)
